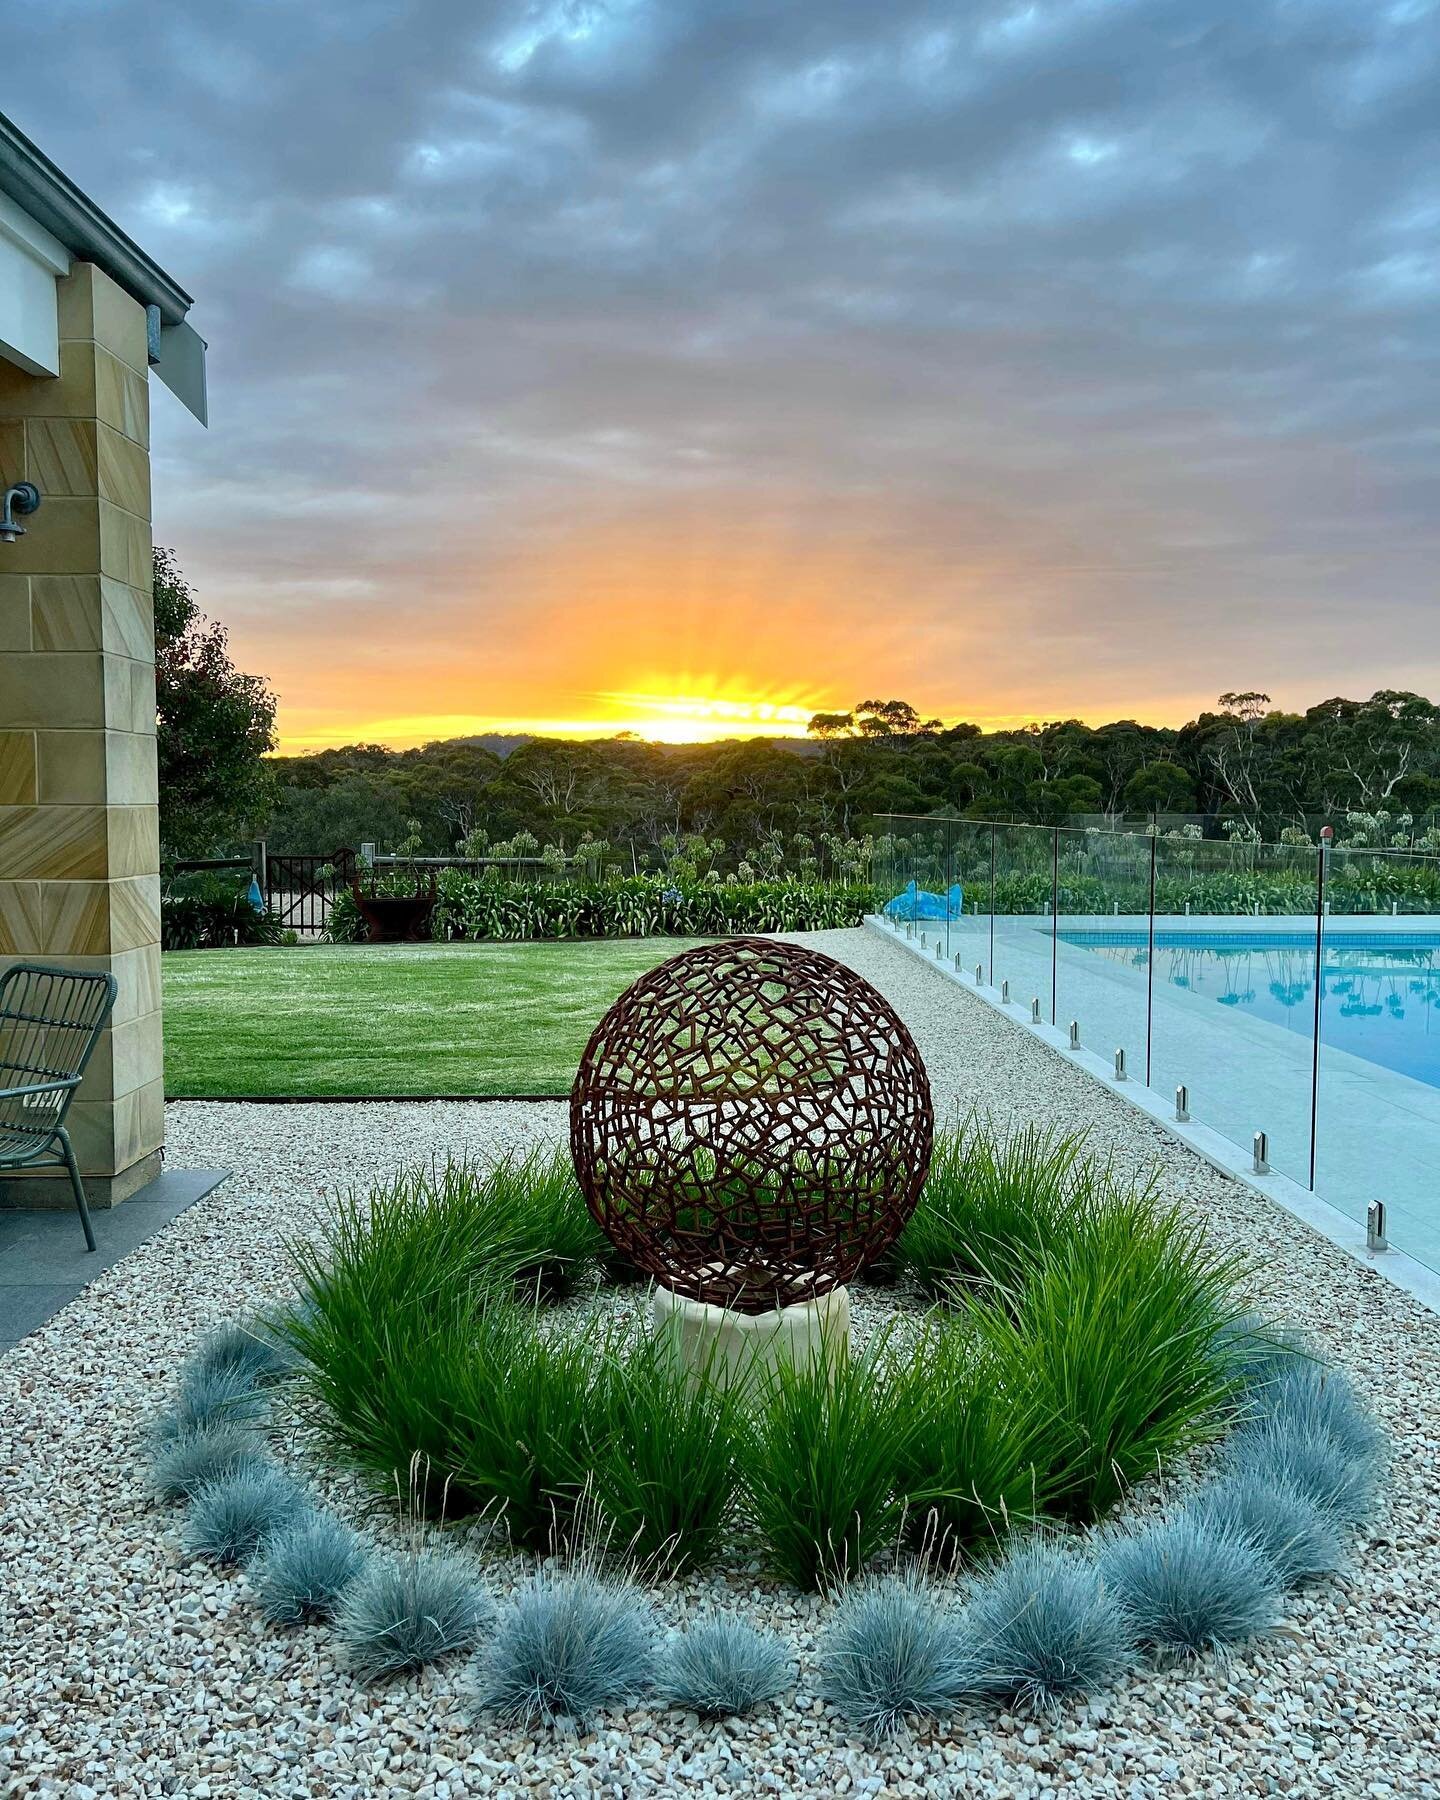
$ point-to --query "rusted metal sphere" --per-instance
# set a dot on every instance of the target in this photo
(751, 1124)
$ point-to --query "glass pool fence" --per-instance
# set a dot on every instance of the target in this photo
(1291, 991)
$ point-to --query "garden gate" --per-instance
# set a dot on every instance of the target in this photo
(299, 889)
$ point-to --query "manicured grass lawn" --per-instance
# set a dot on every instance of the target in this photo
(392, 1019)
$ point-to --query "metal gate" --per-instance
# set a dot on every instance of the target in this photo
(299, 889)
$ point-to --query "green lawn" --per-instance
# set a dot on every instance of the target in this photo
(392, 1019)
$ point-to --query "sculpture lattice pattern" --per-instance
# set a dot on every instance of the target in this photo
(751, 1124)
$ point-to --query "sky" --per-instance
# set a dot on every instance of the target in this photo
(689, 365)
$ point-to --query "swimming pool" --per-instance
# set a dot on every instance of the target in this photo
(1380, 992)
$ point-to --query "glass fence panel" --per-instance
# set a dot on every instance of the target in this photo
(1233, 990)
(969, 941)
(1023, 922)
(1102, 943)
(1378, 1114)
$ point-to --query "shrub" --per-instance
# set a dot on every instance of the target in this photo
(302, 1571)
(662, 1450)
(821, 1455)
(1119, 1345)
(184, 1464)
(991, 1204)
(571, 1645)
(723, 1668)
(234, 1515)
(892, 1652)
(968, 1468)
(1299, 1541)
(249, 1351)
(207, 911)
(1043, 1627)
(1190, 1588)
(1312, 1399)
(401, 1612)
(518, 1415)
(212, 1397)
(1343, 1487)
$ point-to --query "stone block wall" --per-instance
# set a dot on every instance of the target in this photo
(79, 823)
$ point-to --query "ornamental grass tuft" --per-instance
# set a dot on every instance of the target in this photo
(820, 1453)
(303, 1570)
(893, 1652)
(1301, 1542)
(1118, 1348)
(991, 1203)
(1313, 1399)
(232, 1517)
(724, 1668)
(1043, 1627)
(662, 1455)
(212, 1397)
(182, 1465)
(1191, 1589)
(251, 1349)
(402, 1612)
(571, 1645)
(1345, 1488)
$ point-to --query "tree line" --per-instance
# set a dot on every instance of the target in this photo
(1370, 767)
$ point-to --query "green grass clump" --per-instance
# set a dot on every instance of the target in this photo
(392, 1296)
(1119, 1348)
(991, 1205)
(662, 1450)
(819, 1454)
(518, 1416)
(975, 1462)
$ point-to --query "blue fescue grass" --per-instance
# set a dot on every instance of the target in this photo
(571, 1645)
(1345, 1488)
(182, 1465)
(1300, 1541)
(210, 1397)
(250, 1348)
(1260, 1349)
(723, 1667)
(303, 1570)
(401, 1612)
(1189, 1587)
(1312, 1399)
(892, 1653)
(232, 1517)
(1043, 1627)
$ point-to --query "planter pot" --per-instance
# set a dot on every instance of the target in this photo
(396, 918)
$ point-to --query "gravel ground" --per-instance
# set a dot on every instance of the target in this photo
(124, 1670)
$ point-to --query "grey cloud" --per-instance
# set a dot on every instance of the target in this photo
(1131, 303)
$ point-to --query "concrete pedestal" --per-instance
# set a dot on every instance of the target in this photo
(743, 1347)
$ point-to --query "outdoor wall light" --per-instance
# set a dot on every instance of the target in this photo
(18, 503)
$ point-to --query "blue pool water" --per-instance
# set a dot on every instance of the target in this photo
(1380, 994)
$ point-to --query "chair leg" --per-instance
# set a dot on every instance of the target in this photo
(79, 1187)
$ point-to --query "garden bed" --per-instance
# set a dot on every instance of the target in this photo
(139, 1661)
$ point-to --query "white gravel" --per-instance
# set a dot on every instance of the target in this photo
(124, 1670)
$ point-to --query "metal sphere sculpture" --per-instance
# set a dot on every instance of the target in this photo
(751, 1124)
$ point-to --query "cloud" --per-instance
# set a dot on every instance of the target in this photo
(1074, 356)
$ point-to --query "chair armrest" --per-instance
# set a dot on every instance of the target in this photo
(62, 1086)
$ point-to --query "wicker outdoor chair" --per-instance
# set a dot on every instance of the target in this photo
(50, 1022)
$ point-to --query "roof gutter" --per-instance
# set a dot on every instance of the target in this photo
(52, 200)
